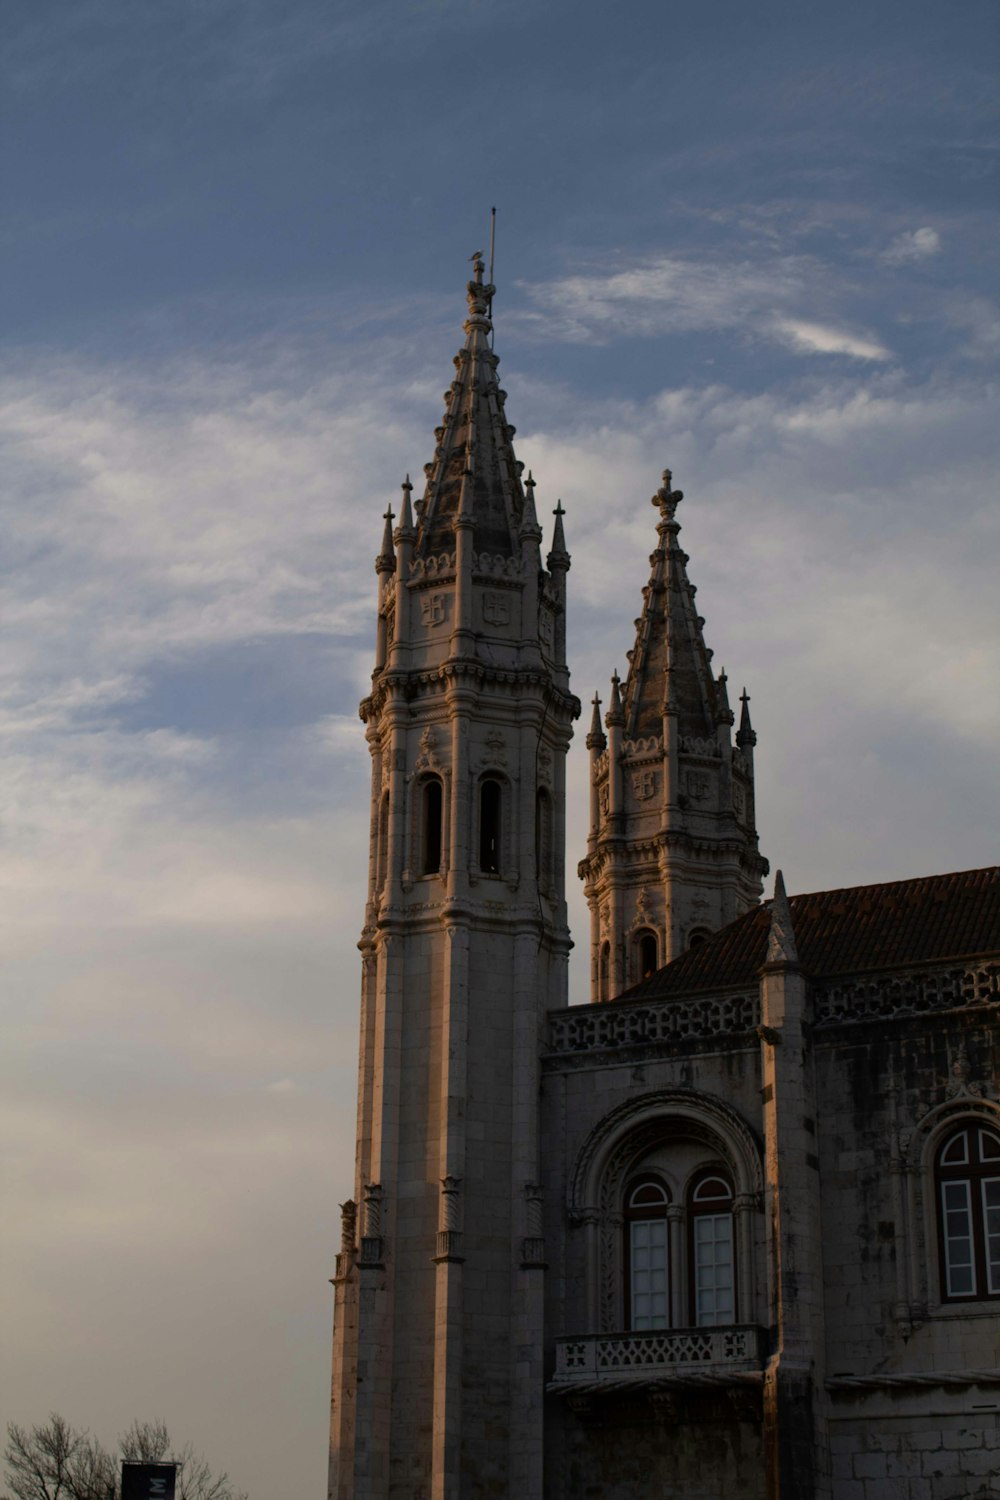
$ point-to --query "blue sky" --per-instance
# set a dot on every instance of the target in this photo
(756, 243)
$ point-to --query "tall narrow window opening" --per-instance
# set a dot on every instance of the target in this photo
(431, 840)
(713, 1280)
(604, 972)
(646, 1258)
(489, 827)
(382, 865)
(646, 955)
(543, 838)
(968, 1191)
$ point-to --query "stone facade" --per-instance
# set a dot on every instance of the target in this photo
(715, 1235)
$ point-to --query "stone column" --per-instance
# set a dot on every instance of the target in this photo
(795, 1429)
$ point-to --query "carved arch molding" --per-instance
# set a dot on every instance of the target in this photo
(619, 1141)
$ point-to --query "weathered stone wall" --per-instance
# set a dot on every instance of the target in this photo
(632, 1450)
(928, 1454)
(906, 1418)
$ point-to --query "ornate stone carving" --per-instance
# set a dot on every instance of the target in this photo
(698, 786)
(495, 752)
(496, 609)
(879, 996)
(428, 759)
(433, 608)
(961, 1084)
(644, 783)
(372, 1246)
(704, 1017)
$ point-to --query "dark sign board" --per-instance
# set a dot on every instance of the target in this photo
(148, 1481)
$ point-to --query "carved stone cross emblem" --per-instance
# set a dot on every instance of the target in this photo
(432, 609)
(496, 609)
(644, 784)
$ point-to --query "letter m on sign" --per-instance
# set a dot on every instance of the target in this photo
(149, 1481)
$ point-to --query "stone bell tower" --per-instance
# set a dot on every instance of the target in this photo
(437, 1378)
(672, 852)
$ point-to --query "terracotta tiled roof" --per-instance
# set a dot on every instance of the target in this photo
(859, 930)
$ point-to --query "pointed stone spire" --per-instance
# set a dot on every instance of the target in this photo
(558, 557)
(596, 739)
(781, 947)
(614, 715)
(724, 713)
(474, 463)
(529, 520)
(745, 736)
(386, 560)
(405, 526)
(670, 595)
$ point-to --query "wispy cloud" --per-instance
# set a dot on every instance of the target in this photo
(913, 244)
(762, 299)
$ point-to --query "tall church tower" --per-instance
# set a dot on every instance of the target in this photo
(437, 1379)
(672, 852)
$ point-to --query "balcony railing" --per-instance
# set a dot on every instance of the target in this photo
(594, 1359)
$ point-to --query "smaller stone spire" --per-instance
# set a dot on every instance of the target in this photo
(724, 714)
(386, 560)
(406, 513)
(558, 553)
(596, 739)
(614, 715)
(529, 516)
(745, 736)
(781, 947)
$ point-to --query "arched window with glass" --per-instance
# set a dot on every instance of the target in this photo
(712, 1250)
(967, 1182)
(647, 1261)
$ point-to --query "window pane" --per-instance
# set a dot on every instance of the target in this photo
(959, 1272)
(713, 1265)
(989, 1146)
(991, 1220)
(712, 1187)
(956, 1152)
(648, 1273)
(646, 1193)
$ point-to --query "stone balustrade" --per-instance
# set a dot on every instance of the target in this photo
(728, 1350)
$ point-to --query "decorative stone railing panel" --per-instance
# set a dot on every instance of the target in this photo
(594, 1028)
(733, 1347)
(914, 993)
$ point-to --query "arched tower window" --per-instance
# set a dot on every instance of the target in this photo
(712, 1249)
(430, 841)
(604, 972)
(697, 936)
(647, 1268)
(543, 838)
(646, 953)
(490, 807)
(967, 1180)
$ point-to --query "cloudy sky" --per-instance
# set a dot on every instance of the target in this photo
(755, 242)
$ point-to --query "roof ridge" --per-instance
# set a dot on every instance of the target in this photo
(879, 885)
